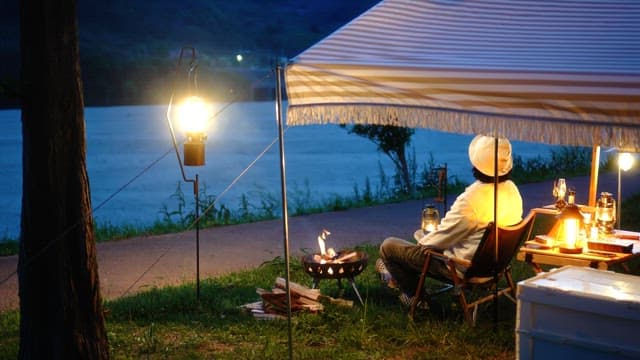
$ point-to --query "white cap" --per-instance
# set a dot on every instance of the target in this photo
(482, 155)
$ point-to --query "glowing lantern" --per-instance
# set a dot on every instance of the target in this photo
(625, 162)
(430, 219)
(606, 213)
(570, 224)
(193, 115)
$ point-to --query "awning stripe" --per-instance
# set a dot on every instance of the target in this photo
(563, 63)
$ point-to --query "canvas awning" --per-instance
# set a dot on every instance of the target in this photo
(557, 72)
(552, 71)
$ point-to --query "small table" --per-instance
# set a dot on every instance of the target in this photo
(532, 254)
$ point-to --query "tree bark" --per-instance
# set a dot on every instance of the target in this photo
(61, 314)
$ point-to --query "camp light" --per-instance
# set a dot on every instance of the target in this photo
(606, 213)
(625, 162)
(193, 114)
(430, 219)
(570, 224)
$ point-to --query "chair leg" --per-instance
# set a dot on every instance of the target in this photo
(470, 317)
(474, 316)
(416, 297)
(511, 295)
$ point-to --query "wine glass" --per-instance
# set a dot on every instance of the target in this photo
(559, 191)
(562, 188)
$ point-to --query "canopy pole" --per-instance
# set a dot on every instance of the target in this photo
(593, 184)
(495, 232)
(285, 215)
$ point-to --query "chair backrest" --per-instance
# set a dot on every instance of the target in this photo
(484, 262)
(544, 221)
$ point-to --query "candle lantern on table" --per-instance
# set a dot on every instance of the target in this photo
(570, 225)
(606, 213)
(430, 219)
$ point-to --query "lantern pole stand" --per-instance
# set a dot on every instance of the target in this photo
(192, 67)
(619, 194)
(285, 216)
(195, 182)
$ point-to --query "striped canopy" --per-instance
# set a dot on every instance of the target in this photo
(555, 71)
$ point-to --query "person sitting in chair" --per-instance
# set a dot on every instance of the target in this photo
(461, 229)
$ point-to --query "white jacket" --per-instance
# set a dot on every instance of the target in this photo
(461, 229)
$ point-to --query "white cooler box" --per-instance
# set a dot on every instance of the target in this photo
(578, 313)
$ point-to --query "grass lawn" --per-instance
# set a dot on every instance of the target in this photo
(169, 323)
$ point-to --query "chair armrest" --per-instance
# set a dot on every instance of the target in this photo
(457, 261)
(463, 262)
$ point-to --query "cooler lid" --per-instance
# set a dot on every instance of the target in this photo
(581, 287)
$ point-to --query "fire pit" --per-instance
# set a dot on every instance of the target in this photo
(328, 264)
(345, 264)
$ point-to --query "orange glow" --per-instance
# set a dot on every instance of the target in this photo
(193, 115)
(571, 228)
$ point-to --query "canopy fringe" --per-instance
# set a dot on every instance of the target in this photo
(534, 129)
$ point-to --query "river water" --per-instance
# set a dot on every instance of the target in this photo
(133, 171)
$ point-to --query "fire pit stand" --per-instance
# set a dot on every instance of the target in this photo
(352, 265)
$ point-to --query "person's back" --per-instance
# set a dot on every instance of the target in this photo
(475, 206)
(462, 227)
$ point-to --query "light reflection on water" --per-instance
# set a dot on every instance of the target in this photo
(124, 141)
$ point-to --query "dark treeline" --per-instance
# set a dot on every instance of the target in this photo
(128, 49)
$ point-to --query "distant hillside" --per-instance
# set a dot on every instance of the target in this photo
(127, 48)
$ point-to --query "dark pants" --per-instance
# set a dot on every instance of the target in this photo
(405, 260)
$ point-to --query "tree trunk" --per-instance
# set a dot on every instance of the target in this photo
(61, 315)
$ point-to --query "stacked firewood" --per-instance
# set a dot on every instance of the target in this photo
(273, 303)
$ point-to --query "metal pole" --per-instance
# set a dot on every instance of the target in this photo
(285, 215)
(593, 182)
(191, 74)
(618, 210)
(197, 196)
(495, 232)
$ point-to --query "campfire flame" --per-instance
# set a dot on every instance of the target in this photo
(329, 255)
(321, 241)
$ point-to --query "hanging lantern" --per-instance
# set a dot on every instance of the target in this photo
(430, 219)
(193, 115)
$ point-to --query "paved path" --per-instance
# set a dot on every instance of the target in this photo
(136, 264)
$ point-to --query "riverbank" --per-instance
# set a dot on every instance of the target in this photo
(137, 264)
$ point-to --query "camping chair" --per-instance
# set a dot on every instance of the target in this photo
(482, 272)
